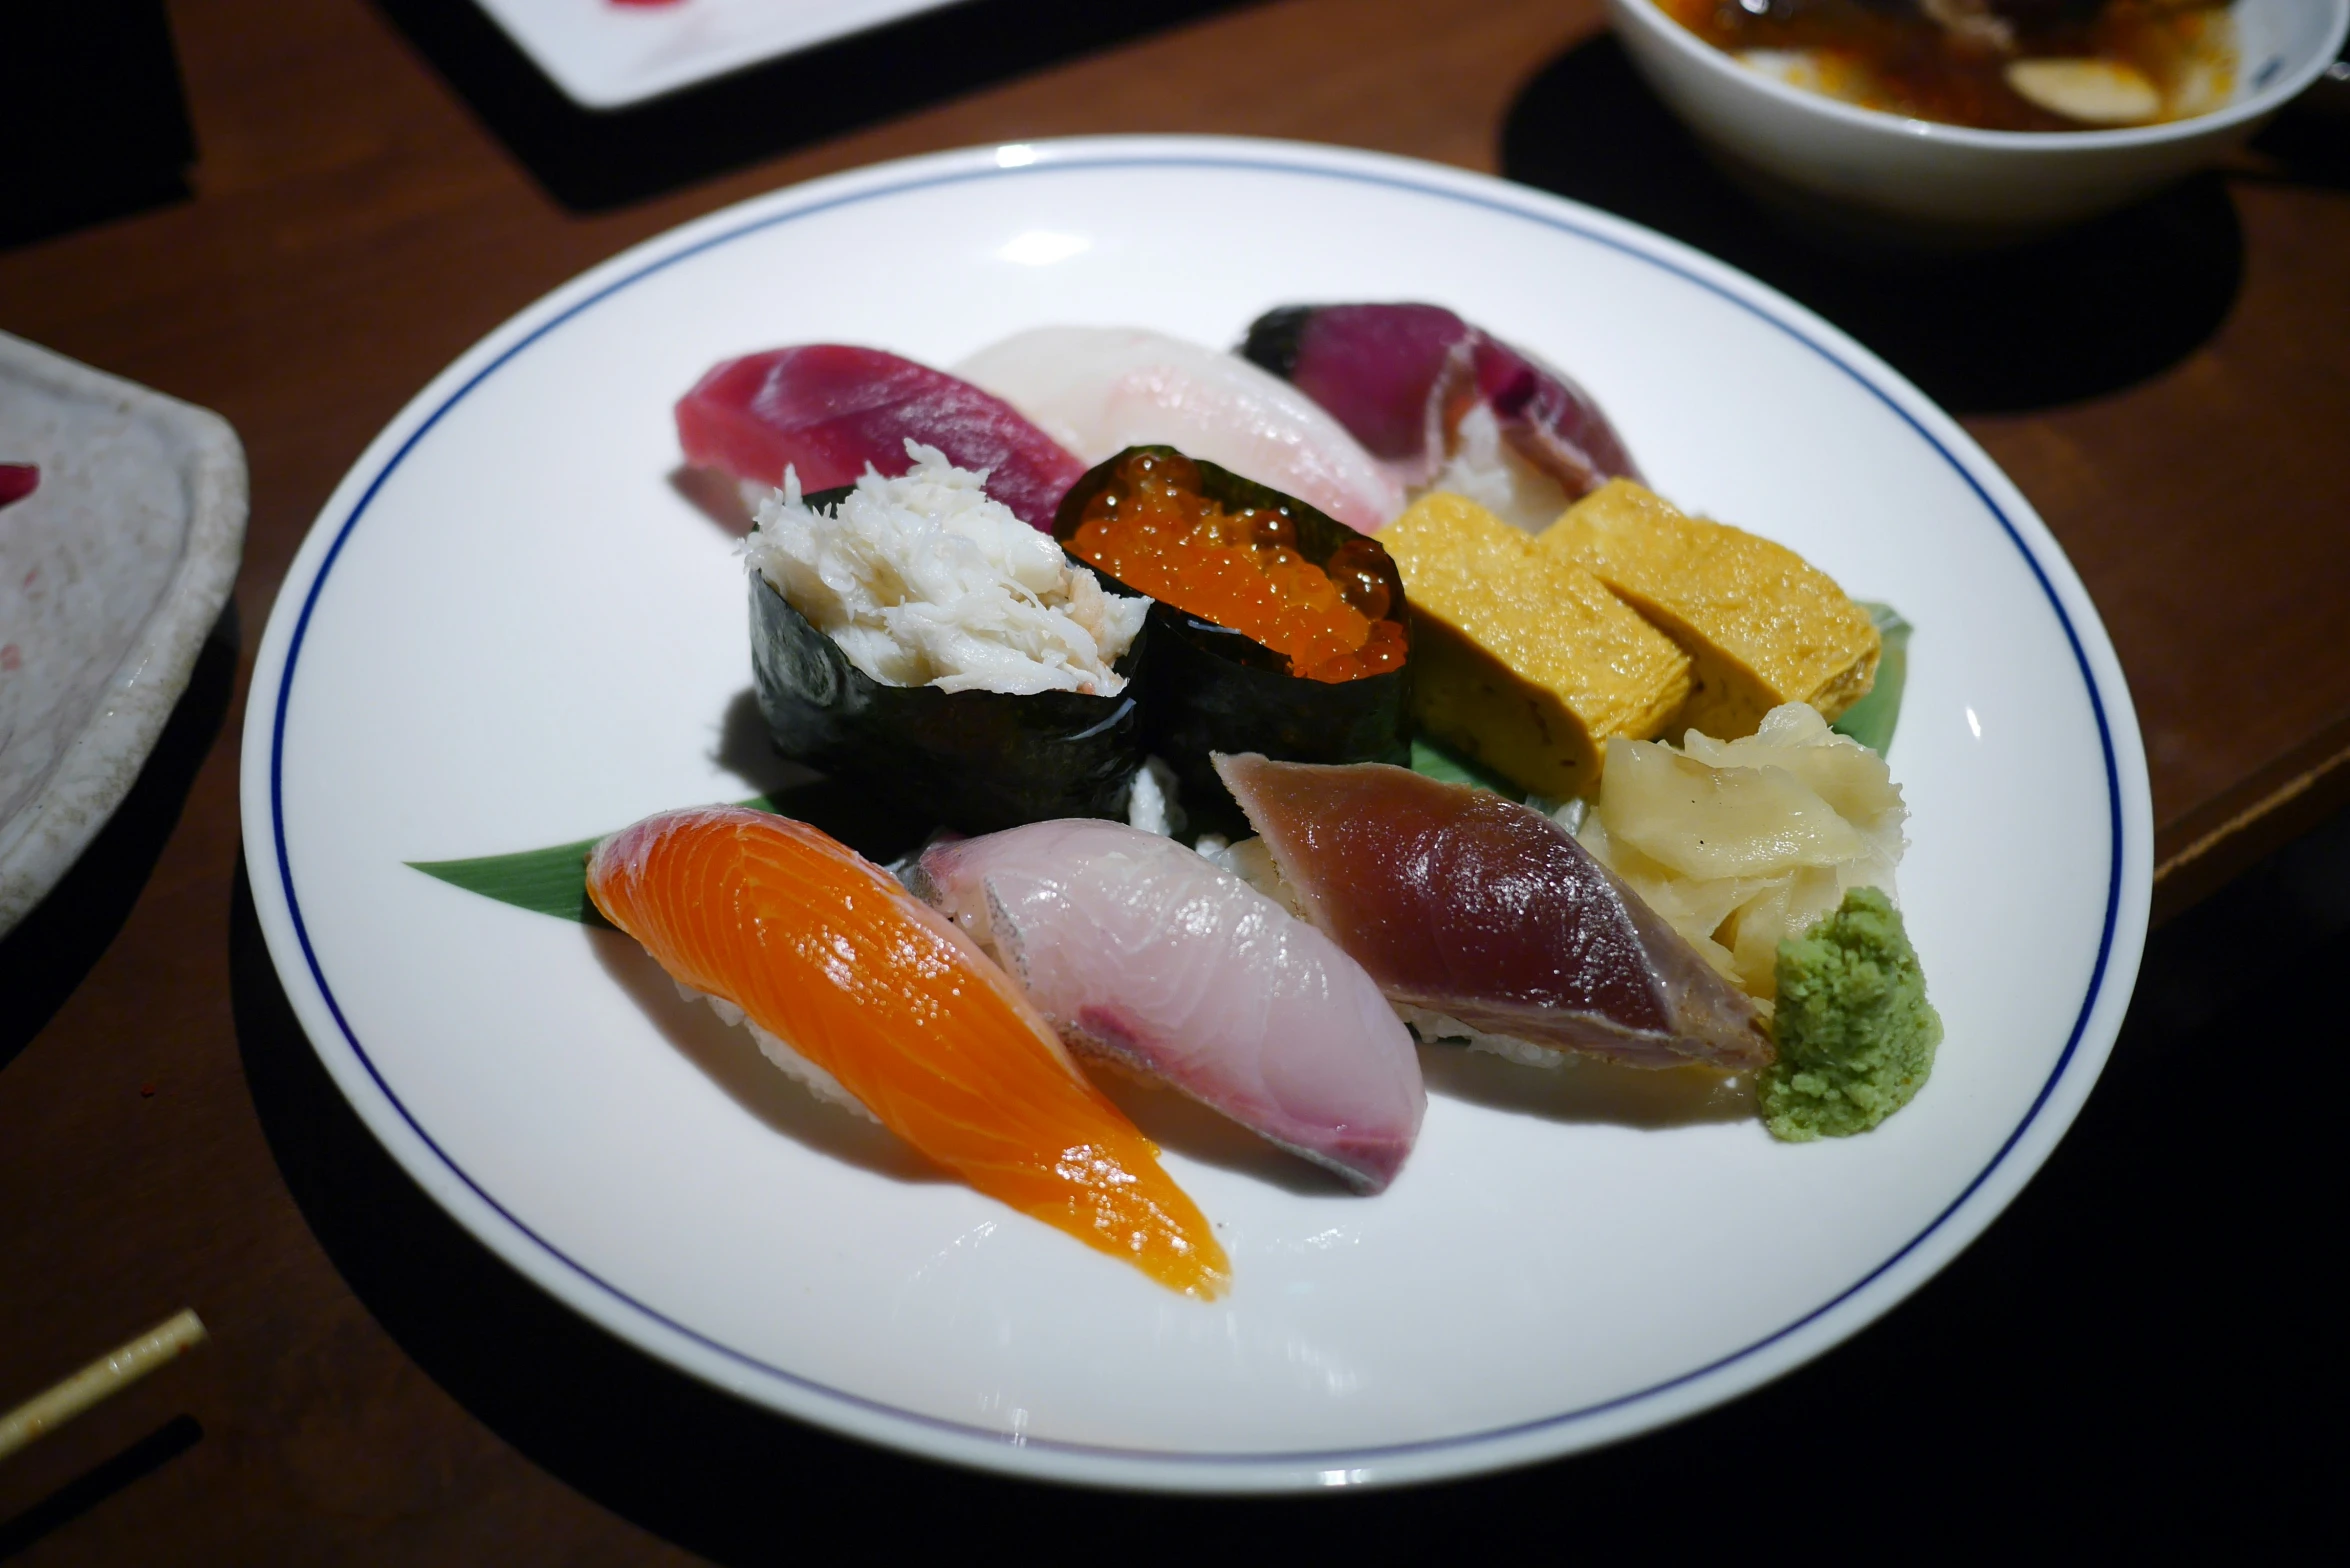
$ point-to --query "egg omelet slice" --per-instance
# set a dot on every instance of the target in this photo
(1761, 625)
(1520, 658)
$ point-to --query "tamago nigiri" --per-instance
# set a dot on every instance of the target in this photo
(844, 971)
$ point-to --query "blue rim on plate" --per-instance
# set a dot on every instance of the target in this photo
(2123, 921)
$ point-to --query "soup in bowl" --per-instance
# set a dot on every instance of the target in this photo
(1974, 120)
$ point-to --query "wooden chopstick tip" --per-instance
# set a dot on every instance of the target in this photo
(120, 1367)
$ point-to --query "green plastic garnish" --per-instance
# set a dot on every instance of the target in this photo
(1870, 720)
(550, 881)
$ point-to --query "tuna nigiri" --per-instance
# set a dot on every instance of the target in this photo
(1481, 916)
(1140, 950)
(831, 411)
(1100, 390)
(843, 971)
(1447, 405)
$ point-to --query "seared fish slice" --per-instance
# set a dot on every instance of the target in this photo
(1474, 908)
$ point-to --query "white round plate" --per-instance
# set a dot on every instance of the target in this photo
(508, 629)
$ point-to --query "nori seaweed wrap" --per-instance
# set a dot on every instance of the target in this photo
(1206, 687)
(976, 761)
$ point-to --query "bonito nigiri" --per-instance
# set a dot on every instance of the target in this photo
(841, 970)
(1100, 390)
(1482, 917)
(1140, 950)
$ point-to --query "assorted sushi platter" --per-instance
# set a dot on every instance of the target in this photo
(1223, 890)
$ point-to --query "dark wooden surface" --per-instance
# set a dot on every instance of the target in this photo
(2170, 389)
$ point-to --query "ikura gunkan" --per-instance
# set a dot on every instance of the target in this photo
(1276, 628)
(1154, 530)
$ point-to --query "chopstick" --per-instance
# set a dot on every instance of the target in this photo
(117, 1369)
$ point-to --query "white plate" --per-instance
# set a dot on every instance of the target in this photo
(508, 630)
(608, 56)
(111, 575)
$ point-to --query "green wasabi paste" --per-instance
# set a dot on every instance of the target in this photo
(1855, 1032)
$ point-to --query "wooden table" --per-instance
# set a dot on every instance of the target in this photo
(2170, 391)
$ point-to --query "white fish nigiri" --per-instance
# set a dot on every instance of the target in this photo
(1137, 949)
(1100, 390)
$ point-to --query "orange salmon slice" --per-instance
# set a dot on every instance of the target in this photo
(824, 950)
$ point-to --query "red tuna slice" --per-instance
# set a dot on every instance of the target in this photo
(18, 480)
(828, 410)
(1399, 377)
(1462, 903)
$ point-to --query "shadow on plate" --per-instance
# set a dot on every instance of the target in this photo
(1182, 1125)
(1582, 1090)
(95, 1485)
(874, 827)
(590, 161)
(2122, 1354)
(727, 1055)
(2090, 311)
(45, 957)
(747, 751)
(713, 495)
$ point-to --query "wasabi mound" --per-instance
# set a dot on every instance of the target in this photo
(1855, 1032)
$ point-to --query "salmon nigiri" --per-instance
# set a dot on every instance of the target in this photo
(823, 950)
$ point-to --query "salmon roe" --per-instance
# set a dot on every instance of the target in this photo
(1154, 531)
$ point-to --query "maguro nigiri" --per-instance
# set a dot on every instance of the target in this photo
(1446, 405)
(1476, 914)
(1100, 390)
(843, 970)
(1138, 949)
(830, 411)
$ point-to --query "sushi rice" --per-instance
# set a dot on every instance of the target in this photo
(1484, 467)
(807, 1074)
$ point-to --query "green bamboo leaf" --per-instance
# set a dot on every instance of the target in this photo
(1870, 720)
(1439, 761)
(550, 881)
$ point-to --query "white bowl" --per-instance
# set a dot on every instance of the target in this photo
(1924, 178)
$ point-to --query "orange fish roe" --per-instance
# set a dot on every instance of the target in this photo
(1154, 531)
